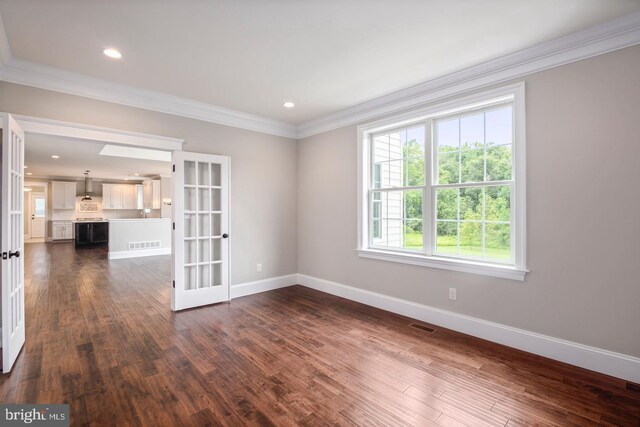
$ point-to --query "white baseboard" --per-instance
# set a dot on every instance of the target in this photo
(592, 358)
(139, 253)
(249, 288)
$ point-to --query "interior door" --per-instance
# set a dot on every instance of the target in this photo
(200, 209)
(12, 237)
(37, 205)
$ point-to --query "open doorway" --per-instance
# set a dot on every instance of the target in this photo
(111, 196)
(35, 203)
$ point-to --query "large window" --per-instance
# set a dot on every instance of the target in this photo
(446, 189)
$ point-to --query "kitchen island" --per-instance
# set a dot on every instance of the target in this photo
(139, 237)
(91, 232)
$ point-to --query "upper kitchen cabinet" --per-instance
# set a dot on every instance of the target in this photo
(63, 195)
(152, 194)
(121, 196)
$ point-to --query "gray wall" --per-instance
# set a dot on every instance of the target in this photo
(583, 214)
(263, 171)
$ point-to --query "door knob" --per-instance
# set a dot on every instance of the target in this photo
(225, 235)
(14, 254)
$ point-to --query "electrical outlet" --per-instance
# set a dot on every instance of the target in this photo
(259, 268)
(453, 294)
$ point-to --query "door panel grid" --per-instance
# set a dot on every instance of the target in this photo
(13, 326)
(202, 181)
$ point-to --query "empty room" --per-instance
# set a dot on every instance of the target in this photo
(296, 213)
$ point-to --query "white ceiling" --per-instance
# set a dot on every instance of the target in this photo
(253, 55)
(76, 156)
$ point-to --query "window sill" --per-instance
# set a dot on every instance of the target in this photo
(485, 269)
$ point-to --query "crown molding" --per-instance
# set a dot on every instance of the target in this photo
(44, 77)
(5, 48)
(613, 35)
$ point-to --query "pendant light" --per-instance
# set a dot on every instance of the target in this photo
(88, 187)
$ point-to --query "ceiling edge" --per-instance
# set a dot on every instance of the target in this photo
(44, 77)
(607, 37)
(613, 35)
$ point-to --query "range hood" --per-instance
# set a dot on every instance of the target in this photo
(88, 187)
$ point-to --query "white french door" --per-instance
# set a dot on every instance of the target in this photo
(12, 213)
(200, 208)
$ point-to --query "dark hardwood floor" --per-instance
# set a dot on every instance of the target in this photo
(101, 337)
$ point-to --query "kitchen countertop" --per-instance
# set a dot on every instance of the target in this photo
(139, 219)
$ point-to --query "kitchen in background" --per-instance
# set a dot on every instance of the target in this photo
(131, 217)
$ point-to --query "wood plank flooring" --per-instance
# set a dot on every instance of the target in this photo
(101, 337)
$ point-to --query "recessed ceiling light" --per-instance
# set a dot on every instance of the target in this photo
(136, 174)
(29, 173)
(26, 167)
(27, 189)
(112, 53)
(55, 156)
(289, 104)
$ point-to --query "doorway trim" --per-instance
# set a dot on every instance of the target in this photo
(81, 131)
(28, 235)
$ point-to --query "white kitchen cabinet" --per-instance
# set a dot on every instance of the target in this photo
(111, 196)
(62, 230)
(152, 194)
(139, 196)
(120, 196)
(63, 195)
(129, 197)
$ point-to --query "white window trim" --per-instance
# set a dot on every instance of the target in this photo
(514, 93)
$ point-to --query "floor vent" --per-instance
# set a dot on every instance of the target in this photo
(422, 327)
(139, 246)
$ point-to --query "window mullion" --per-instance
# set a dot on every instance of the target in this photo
(428, 204)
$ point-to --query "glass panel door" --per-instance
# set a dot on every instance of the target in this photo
(201, 244)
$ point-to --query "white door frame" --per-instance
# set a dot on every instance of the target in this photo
(89, 133)
(29, 212)
(47, 213)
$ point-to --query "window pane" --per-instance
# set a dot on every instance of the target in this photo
(393, 231)
(472, 165)
(471, 203)
(499, 166)
(447, 237)
(397, 219)
(448, 135)
(377, 176)
(448, 168)
(414, 171)
(498, 127)
(498, 241)
(415, 138)
(413, 204)
(376, 209)
(413, 234)
(381, 148)
(376, 229)
(395, 174)
(471, 238)
(39, 208)
(447, 203)
(472, 131)
(387, 147)
(498, 203)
